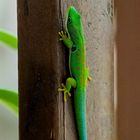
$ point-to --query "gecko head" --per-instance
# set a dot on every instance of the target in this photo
(73, 13)
(74, 24)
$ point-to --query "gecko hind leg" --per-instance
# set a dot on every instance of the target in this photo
(70, 82)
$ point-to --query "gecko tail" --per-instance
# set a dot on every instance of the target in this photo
(80, 113)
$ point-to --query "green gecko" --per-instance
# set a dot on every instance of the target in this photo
(75, 41)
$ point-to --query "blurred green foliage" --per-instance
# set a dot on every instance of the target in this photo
(9, 98)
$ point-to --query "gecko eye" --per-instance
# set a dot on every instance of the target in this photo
(69, 20)
(74, 48)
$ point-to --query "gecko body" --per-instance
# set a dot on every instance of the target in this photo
(79, 73)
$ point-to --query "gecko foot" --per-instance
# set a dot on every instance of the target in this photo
(66, 92)
(89, 78)
(63, 35)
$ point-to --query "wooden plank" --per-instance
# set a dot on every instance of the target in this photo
(128, 46)
(98, 26)
(40, 70)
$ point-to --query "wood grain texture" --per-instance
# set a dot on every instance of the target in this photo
(43, 65)
(97, 18)
(128, 46)
(40, 70)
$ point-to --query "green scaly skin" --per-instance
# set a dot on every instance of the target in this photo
(79, 72)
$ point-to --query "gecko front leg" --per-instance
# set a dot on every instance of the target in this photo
(70, 82)
(66, 40)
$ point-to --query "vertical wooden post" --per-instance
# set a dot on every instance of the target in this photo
(128, 45)
(42, 67)
(40, 70)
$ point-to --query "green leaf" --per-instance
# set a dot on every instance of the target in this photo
(9, 99)
(8, 39)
